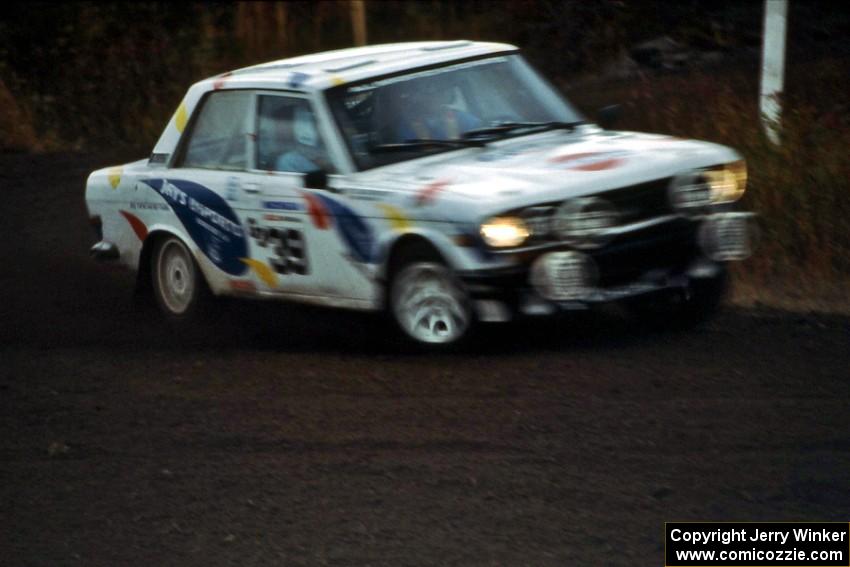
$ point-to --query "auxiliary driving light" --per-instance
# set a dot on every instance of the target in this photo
(564, 276)
(728, 236)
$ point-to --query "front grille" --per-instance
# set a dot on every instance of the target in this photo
(669, 246)
(639, 202)
(632, 204)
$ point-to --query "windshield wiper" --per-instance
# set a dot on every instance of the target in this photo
(418, 143)
(509, 127)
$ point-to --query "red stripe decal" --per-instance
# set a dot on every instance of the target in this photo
(317, 211)
(219, 82)
(136, 224)
(588, 161)
(428, 193)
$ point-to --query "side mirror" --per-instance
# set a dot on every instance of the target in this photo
(316, 179)
(607, 116)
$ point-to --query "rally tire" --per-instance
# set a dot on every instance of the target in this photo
(430, 305)
(179, 287)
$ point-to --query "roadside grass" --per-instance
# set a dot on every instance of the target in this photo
(800, 189)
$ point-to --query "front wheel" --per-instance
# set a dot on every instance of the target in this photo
(429, 304)
(178, 284)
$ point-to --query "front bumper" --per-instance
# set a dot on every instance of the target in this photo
(656, 257)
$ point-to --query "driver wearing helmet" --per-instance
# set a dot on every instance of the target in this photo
(428, 113)
(305, 151)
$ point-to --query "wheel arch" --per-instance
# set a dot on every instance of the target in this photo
(157, 234)
(411, 244)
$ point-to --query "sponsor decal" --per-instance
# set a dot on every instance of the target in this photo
(221, 80)
(266, 274)
(231, 189)
(428, 194)
(144, 206)
(353, 229)
(297, 78)
(113, 175)
(136, 224)
(288, 247)
(317, 211)
(181, 117)
(282, 205)
(591, 161)
(365, 194)
(280, 218)
(243, 285)
(208, 219)
(158, 159)
(396, 217)
(498, 154)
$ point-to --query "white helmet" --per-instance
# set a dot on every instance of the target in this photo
(305, 127)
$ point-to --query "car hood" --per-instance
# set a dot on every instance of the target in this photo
(547, 167)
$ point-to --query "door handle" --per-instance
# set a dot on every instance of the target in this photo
(251, 187)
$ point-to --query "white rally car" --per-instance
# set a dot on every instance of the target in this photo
(445, 182)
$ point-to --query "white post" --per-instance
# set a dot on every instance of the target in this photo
(773, 65)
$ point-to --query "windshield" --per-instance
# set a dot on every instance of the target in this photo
(397, 118)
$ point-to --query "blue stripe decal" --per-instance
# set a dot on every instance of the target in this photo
(209, 220)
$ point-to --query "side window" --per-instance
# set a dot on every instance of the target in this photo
(288, 137)
(219, 137)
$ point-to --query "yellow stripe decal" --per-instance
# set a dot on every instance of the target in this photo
(398, 220)
(181, 117)
(263, 271)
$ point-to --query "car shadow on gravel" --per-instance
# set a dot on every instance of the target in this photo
(285, 327)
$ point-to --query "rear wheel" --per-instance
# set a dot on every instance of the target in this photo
(178, 285)
(429, 304)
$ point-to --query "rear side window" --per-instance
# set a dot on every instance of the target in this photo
(219, 136)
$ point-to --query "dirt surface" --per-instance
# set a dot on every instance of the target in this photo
(284, 436)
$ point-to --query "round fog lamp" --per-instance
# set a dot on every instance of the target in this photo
(727, 237)
(564, 276)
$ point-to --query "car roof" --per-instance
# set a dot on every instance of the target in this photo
(330, 68)
(319, 71)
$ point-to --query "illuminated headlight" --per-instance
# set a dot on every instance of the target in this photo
(583, 222)
(727, 183)
(504, 232)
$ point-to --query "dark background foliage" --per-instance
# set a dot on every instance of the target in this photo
(93, 76)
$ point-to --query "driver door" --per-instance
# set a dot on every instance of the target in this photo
(294, 246)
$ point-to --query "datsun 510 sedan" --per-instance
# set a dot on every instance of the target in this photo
(444, 182)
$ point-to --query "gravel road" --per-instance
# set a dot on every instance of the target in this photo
(294, 436)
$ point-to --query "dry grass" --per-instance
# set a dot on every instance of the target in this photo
(801, 189)
(16, 127)
(93, 87)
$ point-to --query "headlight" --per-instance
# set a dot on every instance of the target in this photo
(584, 222)
(691, 192)
(503, 232)
(727, 183)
